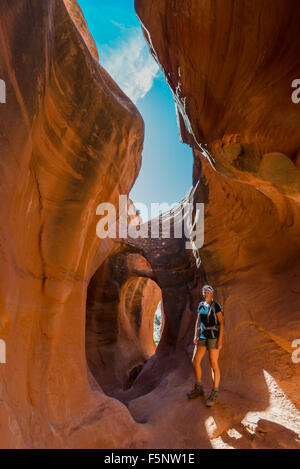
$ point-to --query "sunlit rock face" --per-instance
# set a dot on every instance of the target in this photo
(70, 139)
(76, 311)
(230, 66)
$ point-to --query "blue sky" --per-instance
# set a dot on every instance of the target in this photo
(166, 172)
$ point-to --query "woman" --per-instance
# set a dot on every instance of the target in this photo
(208, 336)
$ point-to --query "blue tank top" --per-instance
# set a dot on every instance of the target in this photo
(208, 320)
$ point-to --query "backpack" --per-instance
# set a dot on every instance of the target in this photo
(215, 314)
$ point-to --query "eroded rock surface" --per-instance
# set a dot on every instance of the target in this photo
(70, 139)
(230, 66)
(121, 304)
(77, 311)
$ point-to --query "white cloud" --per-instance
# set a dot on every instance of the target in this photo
(130, 64)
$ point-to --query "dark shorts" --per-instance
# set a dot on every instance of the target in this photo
(208, 343)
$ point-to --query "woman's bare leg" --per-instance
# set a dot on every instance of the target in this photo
(213, 358)
(200, 352)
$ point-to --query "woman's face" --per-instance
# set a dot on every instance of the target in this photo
(208, 295)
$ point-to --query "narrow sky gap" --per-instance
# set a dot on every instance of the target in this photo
(166, 172)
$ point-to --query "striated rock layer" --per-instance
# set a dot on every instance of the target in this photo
(76, 311)
(70, 139)
(230, 66)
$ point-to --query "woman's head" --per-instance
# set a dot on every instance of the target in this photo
(207, 292)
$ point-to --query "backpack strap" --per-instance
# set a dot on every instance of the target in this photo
(212, 310)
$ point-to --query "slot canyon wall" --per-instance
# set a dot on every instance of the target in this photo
(76, 312)
(70, 139)
(230, 66)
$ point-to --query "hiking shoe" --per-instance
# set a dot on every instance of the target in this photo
(197, 391)
(213, 398)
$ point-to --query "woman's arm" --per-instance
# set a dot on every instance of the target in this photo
(220, 340)
(197, 327)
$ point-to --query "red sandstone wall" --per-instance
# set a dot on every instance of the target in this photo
(71, 139)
